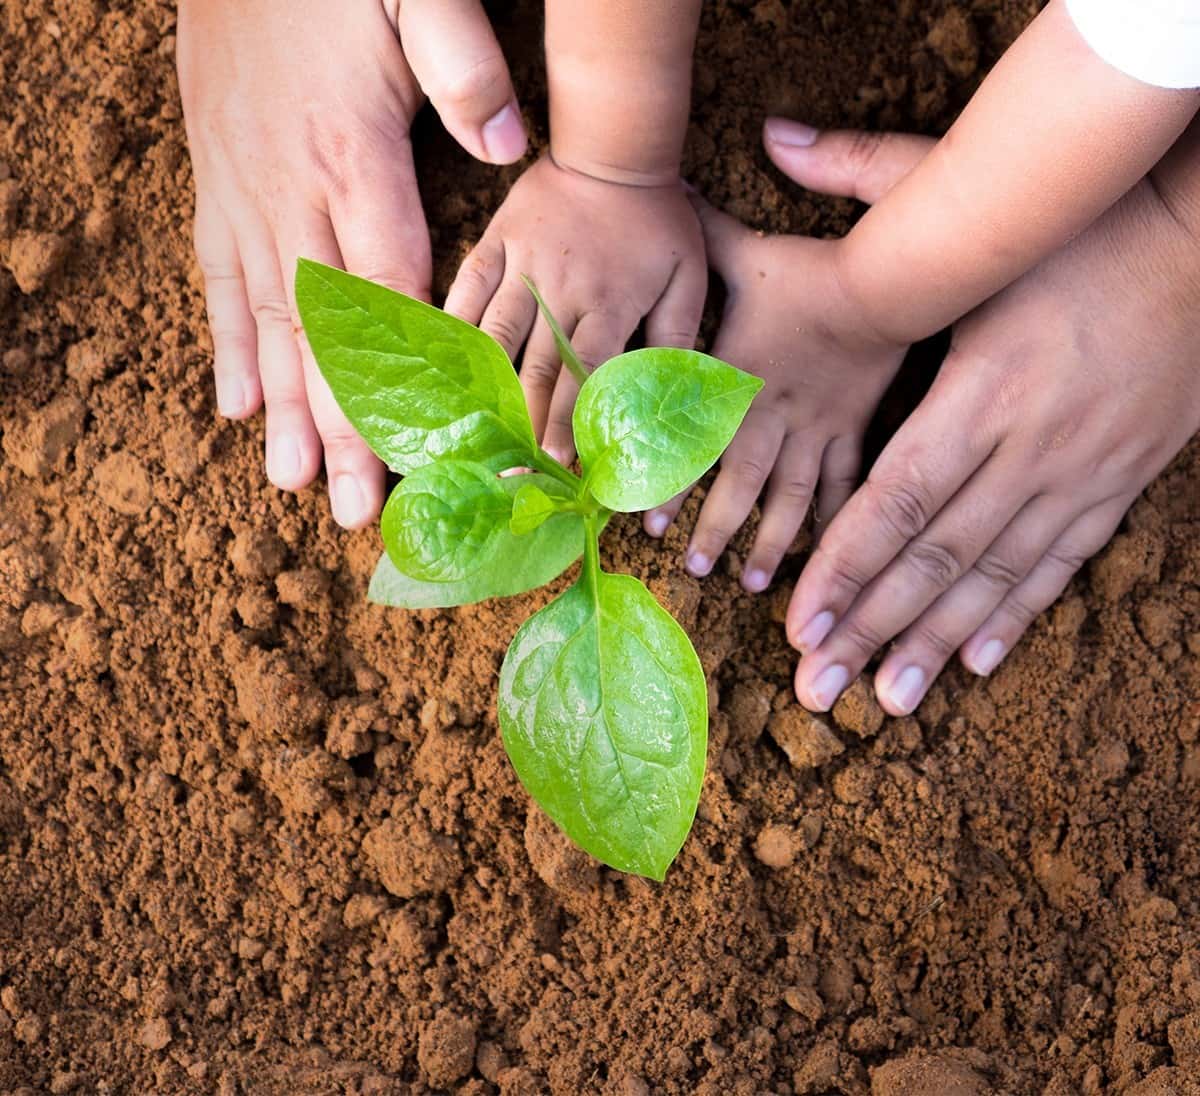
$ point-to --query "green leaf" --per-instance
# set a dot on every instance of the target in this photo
(417, 384)
(649, 423)
(604, 713)
(530, 507)
(441, 520)
(565, 350)
(513, 564)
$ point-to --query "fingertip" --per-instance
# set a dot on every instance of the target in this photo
(351, 501)
(504, 136)
(784, 133)
(290, 467)
(656, 523)
(756, 579)
(699, 564)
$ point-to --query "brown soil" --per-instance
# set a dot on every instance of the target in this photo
(258, 836)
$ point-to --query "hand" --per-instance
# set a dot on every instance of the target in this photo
(604, 256)
(298, 119)
(1059, 401)
(787, 321)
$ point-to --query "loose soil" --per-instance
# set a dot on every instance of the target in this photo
(257, 836)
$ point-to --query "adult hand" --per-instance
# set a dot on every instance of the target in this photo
(1059, 401)
(298, 117)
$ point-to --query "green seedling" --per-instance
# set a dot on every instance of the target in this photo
(602, 701)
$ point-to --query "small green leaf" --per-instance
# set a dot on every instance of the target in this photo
(439, 524)
(417, 384)
(513, 564)
(649, 423)
(530, 507)
(604, 713)
(565, 350)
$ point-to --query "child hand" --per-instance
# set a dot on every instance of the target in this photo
(604, 256)
(787, 321)
(298, 119)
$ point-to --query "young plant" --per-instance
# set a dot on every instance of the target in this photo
(603, 703)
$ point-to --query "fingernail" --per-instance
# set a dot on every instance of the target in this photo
(656, 524)
(231, 395)
(504, 137)
(783, 131)
(559, 455)
(699, 564)
(989, 657)
(815, 631)
(756, 580)
(349, 502)
(828, 686)
(283, 461)
(908, 688)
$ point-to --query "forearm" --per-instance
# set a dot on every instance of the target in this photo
(1052, 139)
(619, 75)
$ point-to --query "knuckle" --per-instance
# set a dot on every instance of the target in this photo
(540, 373)
(795, 489)
(399, 278)
(934, 562)
(272, 310)
(935, 640)
(332, 155)
(904, 506)
(997, 570)
(861, 150)
(483, 82)
(844, 572)
(1068, 557)
(504, 330)
(750, 471)
(862, 636)
(1017, 609)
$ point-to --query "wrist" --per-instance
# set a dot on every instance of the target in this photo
(854, 270)
(624, 127)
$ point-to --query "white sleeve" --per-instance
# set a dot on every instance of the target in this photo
(1155, 41)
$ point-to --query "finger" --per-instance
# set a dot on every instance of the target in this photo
(920, 653)
(723, 237)
(477, 280)
(235, 352)
(928, 565)
(851, 163)
(789, 491)
(457, 61)
(510, 316)
(675, 319)
(657, 521)
(923, 466)
(293, 445)
(355, 476)
(744, 470)
(540, 367)
(840, 467)
(598, 336)
(1044, 584)
(379, 223)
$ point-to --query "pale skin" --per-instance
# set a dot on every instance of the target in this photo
(1060, 400)
(298, 118)
(602, 223)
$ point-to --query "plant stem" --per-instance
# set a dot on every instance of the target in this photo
(591, 551)
(565, 350)
(543, 462)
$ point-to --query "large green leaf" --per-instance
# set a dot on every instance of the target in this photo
(514, 564)
(441, 520)
(649, 423)
(417, 384)
(604, 713)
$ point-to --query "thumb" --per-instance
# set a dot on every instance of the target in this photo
(722, 234)
(851, 163)
(454, 55)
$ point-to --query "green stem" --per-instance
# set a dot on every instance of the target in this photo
(543, 462)
(591, 552)
(565, 350)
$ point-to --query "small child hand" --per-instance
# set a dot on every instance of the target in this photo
(786, 320)
(604, 256)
